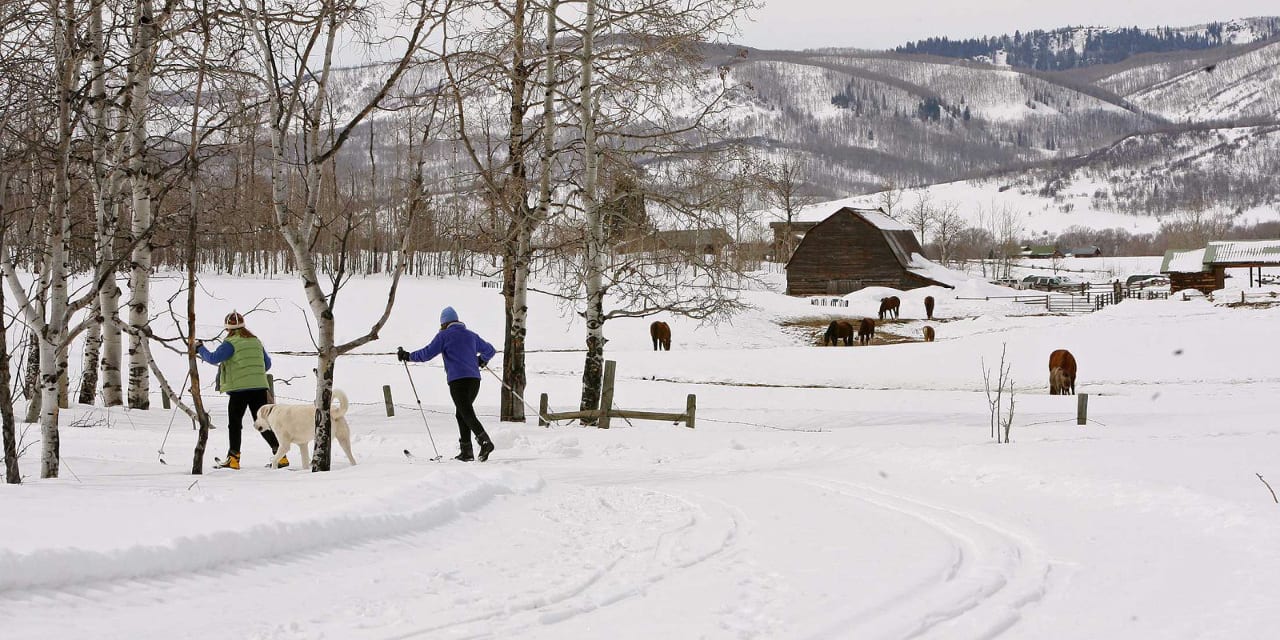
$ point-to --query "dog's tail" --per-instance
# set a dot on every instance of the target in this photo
(342, 404)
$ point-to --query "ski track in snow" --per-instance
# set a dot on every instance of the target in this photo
(995, 573)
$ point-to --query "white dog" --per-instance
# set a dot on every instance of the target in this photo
(296, 424)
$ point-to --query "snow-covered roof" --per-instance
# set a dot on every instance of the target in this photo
(1243, 252)
(1183, 261)
(882, 222)
(925, 268)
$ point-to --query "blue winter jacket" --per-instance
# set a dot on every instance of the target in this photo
(460, 347)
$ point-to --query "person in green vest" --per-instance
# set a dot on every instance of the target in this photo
(242, 374)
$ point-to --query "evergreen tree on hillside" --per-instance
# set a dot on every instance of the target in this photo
(1054, 50)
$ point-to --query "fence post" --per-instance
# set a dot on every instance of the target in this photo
(271, 386)
(606, 394)
(690, 407)
(164, 400)
(386, 398)
(542, 412)
(1082, 409)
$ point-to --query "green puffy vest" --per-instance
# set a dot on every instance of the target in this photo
(246, 369)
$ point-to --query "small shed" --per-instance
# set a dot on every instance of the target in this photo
(1206, 269)
(1091, 251)
(852, 249)
(783, 242)
(1254, 255)
(1187, 270)
(1040, 252)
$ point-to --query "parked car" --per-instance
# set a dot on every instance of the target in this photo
(1150, 281)
(1012, 283)
(1044, 283)
(1133, 279)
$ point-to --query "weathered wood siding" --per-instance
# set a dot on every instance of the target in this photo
(845, 253)
(1206, 282)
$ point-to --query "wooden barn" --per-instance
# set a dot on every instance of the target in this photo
(1206, 269)
(852, 249)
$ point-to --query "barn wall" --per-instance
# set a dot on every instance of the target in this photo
(1204, 282)
(849, 252)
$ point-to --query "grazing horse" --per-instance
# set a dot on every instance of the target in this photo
(866, 331)
(1062, 373)
(889, 306)
(928, 307)
(837, 331)
(661, 334)
(928, 333)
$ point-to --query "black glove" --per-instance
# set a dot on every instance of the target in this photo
(482, 362)
(401, 354)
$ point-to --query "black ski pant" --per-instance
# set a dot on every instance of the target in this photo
(464, 392)
(238, 401)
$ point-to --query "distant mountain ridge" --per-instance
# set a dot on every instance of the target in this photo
(1075, 47)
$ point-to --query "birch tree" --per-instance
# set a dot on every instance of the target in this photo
(148, 24)
(295, 59)
(504, 59)
(647, 54)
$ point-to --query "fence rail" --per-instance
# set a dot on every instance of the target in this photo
(1085, 299)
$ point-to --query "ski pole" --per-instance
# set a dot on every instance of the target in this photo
(513, 392)
(171, 417)
(421, 411)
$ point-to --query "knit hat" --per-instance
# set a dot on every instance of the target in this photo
(448, 315)
(233, 321)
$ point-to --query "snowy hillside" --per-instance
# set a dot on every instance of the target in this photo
(838, 492)
(1240, 87)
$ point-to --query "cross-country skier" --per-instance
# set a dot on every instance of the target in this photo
(465, 353)
(242, 374)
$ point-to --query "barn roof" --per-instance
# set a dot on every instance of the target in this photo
(900, 238)
(1183, 261)
(1255, 253)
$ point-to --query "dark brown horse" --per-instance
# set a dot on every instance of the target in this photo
(889, 306)
(928, 307)
(1062, 373)
(866, 331)
(928, 333)
(661, 334)
(838, 331)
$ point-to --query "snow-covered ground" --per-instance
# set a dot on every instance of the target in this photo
(839, 492)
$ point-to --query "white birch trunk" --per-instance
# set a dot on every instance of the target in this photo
(593, 367)
(142, 60)
(106, 194)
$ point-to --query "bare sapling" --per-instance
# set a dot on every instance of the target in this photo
(1001, 397)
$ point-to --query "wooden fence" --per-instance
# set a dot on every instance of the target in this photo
(603, 416)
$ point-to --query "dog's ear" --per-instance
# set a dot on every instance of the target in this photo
(265, 410)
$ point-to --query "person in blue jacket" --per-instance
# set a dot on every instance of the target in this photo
(465, 353)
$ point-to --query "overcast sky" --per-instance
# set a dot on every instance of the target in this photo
(804, 24)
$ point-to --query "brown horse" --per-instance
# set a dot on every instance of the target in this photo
(928, 333)
(838, 331)
(889, 306)
(1062, 373)
(661, 334)
(928, 307)
(866, 331)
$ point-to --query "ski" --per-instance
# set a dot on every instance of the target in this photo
(412, 457)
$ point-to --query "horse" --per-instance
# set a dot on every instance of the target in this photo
(836, 331)
(1062, 373)
(928, 333)
(928, 307)
(889, 306)
(661, 334)
(866, 331)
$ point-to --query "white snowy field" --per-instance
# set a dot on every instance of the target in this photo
(827, 492)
